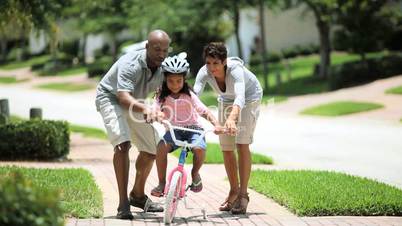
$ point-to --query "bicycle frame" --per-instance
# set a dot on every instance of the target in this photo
(185, 148)
(175, 189)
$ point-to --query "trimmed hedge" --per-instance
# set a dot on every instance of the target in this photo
(356, 73)
(272, 57)
(99, 67)
(34, 140)
(23, 203)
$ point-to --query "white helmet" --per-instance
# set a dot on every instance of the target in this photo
(176, 64)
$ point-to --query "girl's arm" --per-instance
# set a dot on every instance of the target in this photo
(203, 110)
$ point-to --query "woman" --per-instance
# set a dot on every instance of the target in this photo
(239, 98)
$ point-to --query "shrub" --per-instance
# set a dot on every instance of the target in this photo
(355, 73)
(273, 57)
(70, 48)
(34, 140)
(54, 65)
(99, 67)
(17, 54)
(290, 52)
(23, 203)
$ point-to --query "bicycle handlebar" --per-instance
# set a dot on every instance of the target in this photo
(184, 143)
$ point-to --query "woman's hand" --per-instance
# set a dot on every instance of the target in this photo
(231, 127)
(219, 130)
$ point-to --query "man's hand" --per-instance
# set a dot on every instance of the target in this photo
(151, 115)
(160, 116)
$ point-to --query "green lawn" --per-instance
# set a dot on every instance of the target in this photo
(301, 68)
(66, 87)
(319, 193)
(8, 80)
(340, 108)
(67, 72)
(80, 195)
(88, 131)
(209, 98)
(11, 80)
(214, 156)
(25, 63)
(395, 90)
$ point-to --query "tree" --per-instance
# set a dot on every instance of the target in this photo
(38, 14)
(264, 47)
(365, 25)
(324, 11)
(191, 24)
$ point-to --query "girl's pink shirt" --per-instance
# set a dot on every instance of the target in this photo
(182, 111)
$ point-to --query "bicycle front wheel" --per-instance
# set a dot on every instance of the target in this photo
(172, 197)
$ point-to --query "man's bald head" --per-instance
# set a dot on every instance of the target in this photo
(157, 48)
(158, 36)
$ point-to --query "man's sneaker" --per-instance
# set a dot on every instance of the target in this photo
(124, 214)
(146, 204)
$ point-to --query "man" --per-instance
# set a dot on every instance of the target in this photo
(119, 94)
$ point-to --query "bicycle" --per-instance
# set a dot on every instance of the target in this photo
(175, 188)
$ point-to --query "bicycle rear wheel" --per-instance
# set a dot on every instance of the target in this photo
(172, 198)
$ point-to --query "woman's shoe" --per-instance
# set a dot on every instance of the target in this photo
(241, 203)
(158, 191)
(226, 206)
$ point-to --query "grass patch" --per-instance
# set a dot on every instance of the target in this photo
(321, 193)
(25, 63)
(67, 72)
(214, 156)
(340, 108)
(80, 195)
(88, 131)
(273, 99)
(301, 80)
(209, 98)
(395, 90)
(8, 80)
(11, 80)
(66, 87)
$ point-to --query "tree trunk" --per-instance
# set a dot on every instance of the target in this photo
(363, 56)
(83, 49)
(264, 47)
(113, 47)
(237, 25)
(3, 44)
(325, 48)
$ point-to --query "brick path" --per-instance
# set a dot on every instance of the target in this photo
(95, 156)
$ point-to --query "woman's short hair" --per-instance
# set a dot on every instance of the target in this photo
(215, 50)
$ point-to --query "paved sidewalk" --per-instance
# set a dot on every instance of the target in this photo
(96, 156)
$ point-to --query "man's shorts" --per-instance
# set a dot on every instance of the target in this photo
(190, 137)
(245, 125)
(122, 126)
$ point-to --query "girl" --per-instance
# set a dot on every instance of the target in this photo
(181, 107)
